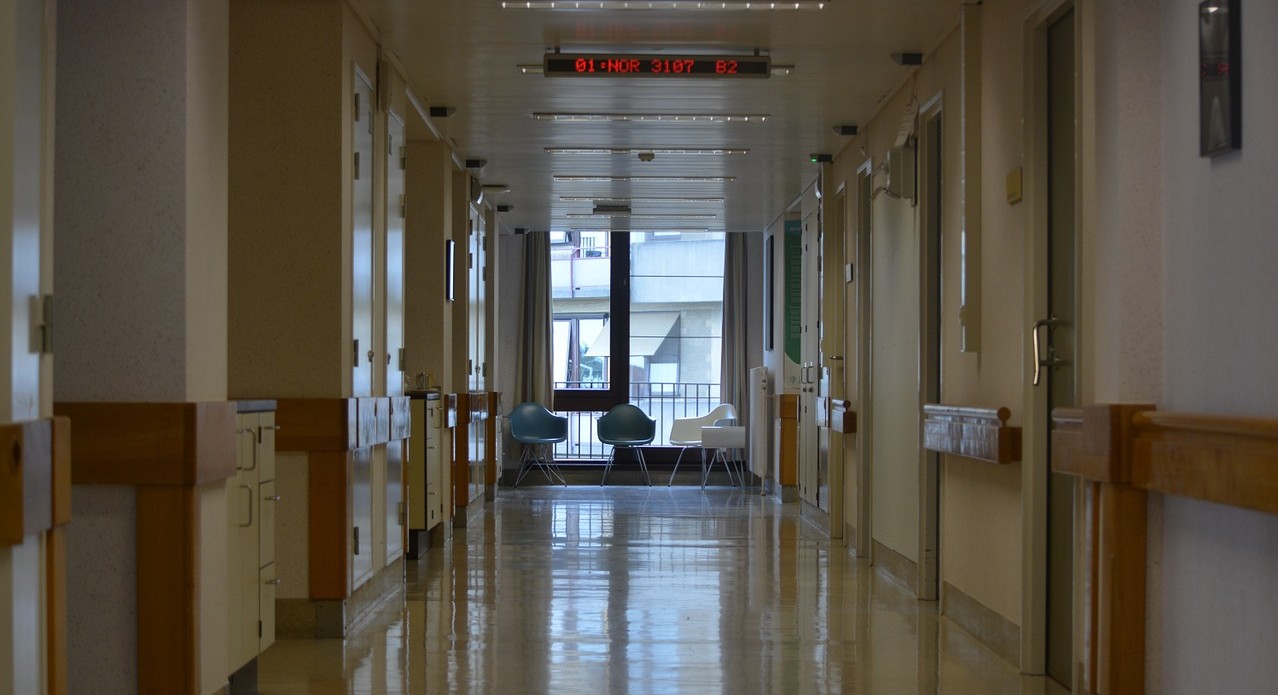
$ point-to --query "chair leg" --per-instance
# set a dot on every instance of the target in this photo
(524, 461)
(608, 466)
(676, 467)
(643, 464)
(722, 457)
(548, 465)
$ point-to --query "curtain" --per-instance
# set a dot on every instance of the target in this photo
(533, 382)
(734, 377)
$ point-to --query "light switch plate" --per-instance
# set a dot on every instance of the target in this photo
(1014, 186)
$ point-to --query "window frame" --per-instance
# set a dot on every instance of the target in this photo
(618, 391)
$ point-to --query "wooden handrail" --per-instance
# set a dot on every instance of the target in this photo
(1121, 453)
(1226, 460)
(974, 432)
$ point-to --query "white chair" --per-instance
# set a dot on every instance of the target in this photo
(686, 432)
(723, 436)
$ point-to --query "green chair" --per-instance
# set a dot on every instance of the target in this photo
(538, 430)
(626, 427)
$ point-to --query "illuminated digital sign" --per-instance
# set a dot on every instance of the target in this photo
(631, 65)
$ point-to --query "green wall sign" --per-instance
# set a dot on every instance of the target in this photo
(793, 290)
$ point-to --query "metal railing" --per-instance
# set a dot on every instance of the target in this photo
(662, 401)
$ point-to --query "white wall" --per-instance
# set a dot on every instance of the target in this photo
(1213, 569)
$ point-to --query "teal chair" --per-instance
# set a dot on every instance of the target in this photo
(538, 430)
(626, 427)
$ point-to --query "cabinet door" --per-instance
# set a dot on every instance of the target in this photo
(244, 644)
(395, 512)
(434, 467)
(266, 446)
(362, 174)
(415, 467)
(266, 597)
(267, 499)
(362, 511)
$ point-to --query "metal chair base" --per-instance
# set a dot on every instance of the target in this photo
(680, 458)
(545, 461)
(643, 465)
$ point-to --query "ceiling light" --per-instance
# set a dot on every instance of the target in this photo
(496, 188)
(651, 117)
(782, 70)
(664, 179)
(587, 199)
(610, 209)
(529, 69)
(626, 151)
(641, 216)
(646, 229)
(846, 130)
(631, 5)
(441, 111)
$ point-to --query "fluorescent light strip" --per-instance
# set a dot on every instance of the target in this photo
(653, 150)
(644, 229)
(663, 179)
(539, 69)
(651, 117)
(640, 216)
(583, 199)
(704, 5)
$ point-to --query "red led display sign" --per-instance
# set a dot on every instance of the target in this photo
(630, 65)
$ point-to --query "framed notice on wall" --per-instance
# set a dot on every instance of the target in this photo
(1219, 77)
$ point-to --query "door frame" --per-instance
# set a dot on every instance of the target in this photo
(865, 321)
(1035, 435)
(930, 335)
(834, 304)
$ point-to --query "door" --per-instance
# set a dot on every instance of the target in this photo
(809, 380)
(397, 153)
(834, 351)
(1056, 328)
(397, 150)
(362, 172)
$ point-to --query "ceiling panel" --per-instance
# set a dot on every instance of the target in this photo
(466, 54)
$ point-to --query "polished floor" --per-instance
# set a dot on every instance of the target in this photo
(632, 590)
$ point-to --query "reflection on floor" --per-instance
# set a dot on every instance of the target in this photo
(644, 590)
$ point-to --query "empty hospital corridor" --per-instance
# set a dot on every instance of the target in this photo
(645, 590)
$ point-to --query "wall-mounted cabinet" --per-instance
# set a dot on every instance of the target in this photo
(319, 117)
(424, 469)
(250, 558)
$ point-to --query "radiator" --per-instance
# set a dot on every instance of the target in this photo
(760, 425)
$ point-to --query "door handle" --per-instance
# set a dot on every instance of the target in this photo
(1039, 362)
(249, 490)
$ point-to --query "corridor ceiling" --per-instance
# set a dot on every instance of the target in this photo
(484, 61)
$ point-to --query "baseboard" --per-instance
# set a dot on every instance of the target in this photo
(896, 566)
(849, 539)
(819, 517)
(333, 618)
(1000, 635)
(471, 512)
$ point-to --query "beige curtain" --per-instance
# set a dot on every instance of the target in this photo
(734, 378)
(534, 381)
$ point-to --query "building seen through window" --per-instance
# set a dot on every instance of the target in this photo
(675, 315)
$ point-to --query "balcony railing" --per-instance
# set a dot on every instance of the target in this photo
(662, 401)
